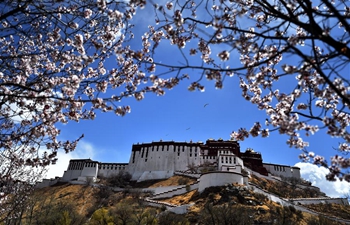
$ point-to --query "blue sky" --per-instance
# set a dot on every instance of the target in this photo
(181, 115)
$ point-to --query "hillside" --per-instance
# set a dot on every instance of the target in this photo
(229, 204)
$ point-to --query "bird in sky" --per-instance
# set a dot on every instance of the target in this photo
(206, 104)
(188, 128)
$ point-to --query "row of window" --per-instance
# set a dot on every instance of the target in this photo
(225, 152)
(115, 167)
(90, 164)
(280, 168)
(166, 147)
(178, 148)
(76, 166)
(228, 160)
(81, 165)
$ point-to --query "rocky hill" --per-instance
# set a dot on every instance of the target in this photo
(263, 201)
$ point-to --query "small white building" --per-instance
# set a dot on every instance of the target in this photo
(228, 161)
(84, 169)
(80, 169)
(282, 170)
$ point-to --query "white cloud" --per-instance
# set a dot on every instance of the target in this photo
(317, 176)
(84, 150)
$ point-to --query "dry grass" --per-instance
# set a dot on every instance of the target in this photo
(181, 199)
(79, 195)
(336, 210)
(173, 181)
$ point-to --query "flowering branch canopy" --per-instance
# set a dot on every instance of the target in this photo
(267, 44)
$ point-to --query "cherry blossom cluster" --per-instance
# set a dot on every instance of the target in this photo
(262, 44)
(55, 59)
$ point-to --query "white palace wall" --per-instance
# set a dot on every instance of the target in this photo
(90, 169)
(213, 179)
(76, 168)
(109, 169)
(161, 161)
(82, 169)
(282, 170)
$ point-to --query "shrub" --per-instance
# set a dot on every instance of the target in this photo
(183, 180)
(119, 180)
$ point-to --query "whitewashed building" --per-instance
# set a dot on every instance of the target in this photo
(84, 169)
(160, 160)
(282, 170)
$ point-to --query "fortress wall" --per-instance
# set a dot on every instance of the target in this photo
(157, 157)
(176, 190)
(109, 169)
(219, 179)
(158, 190)
(182, 209)
(90, 169)
(308, 201)
(75, 169)
(296, 172)
(282, 170)
(155, 175)
(71, 175)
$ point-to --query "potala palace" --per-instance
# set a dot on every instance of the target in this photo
(213, 163)
(162, 159)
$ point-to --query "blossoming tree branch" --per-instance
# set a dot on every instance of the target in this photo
(53, 57)
(266, 44)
